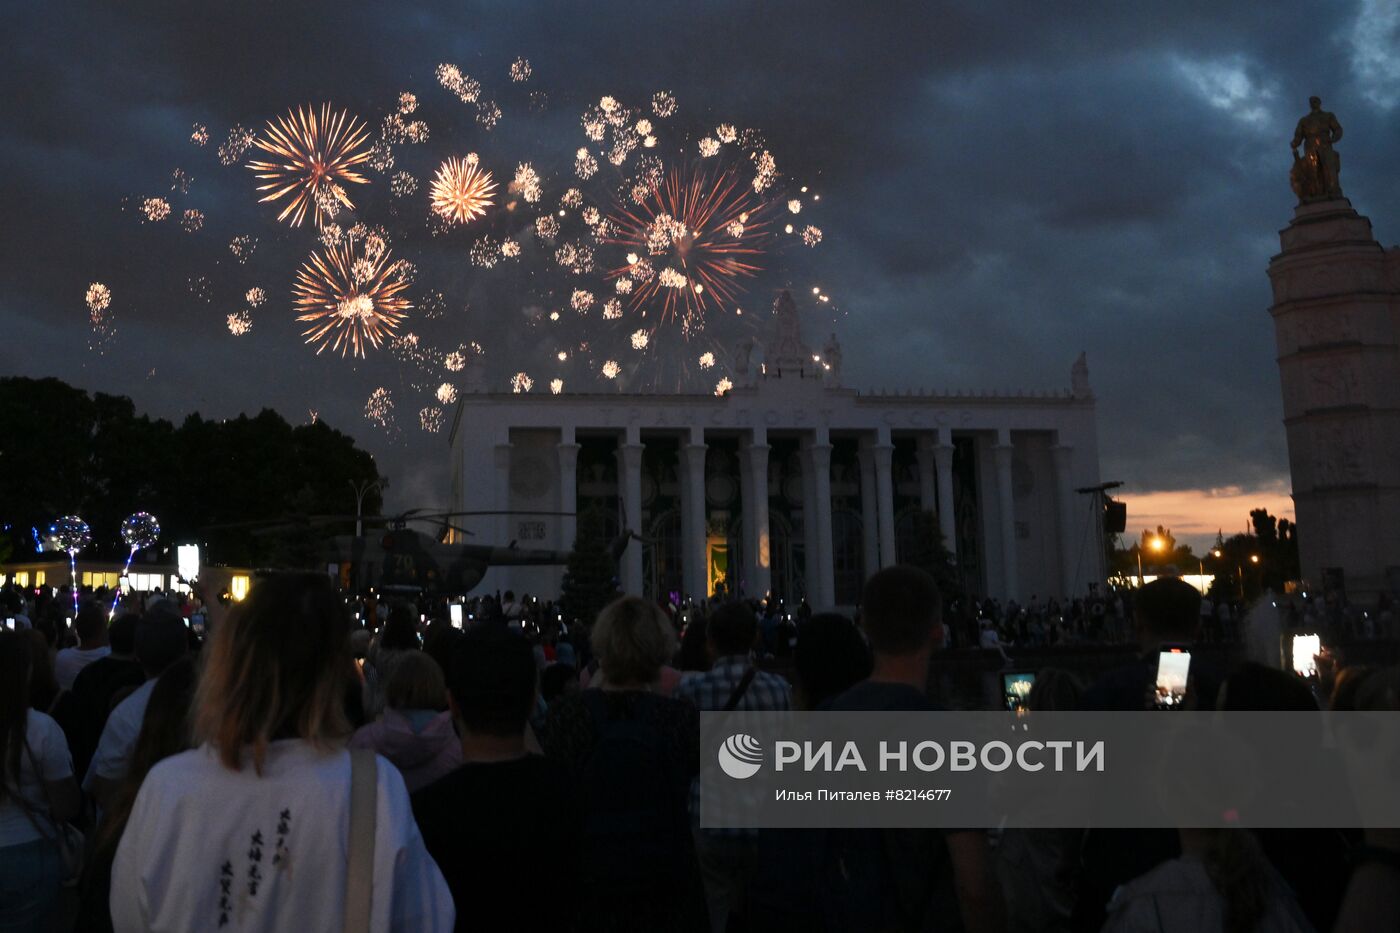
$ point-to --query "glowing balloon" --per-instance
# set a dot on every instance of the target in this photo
(140, 530)
(70, 533)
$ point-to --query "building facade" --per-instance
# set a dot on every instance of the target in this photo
(1336, 310)
(788, 483)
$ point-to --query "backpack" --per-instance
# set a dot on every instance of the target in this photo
(886, 880)
(636, 826)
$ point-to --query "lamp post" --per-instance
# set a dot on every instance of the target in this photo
(1156, 543)
(361, 490)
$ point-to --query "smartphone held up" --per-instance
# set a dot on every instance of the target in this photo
(1173, 673)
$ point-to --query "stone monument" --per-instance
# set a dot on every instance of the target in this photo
(1336, 314)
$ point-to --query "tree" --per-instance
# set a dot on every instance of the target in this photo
(588, 577)
(929, 552)
(1157, 549)
(67, 452)
(1250, 563)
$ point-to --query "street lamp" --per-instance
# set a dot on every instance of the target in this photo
(361, 490)
(1157, 544)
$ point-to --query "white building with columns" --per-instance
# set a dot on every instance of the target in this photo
(788, 483)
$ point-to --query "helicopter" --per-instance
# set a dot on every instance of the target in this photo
(404, 559)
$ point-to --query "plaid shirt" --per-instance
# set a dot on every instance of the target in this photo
(711, 691)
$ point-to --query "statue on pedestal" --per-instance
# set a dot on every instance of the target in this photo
(1316, 173)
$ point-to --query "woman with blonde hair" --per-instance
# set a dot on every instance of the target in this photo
(271, 823)
(633, 753)
(415, 733)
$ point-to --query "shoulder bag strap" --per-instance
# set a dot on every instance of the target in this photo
(740, 689)
(359, 878)
(26, 807)
(67, 839)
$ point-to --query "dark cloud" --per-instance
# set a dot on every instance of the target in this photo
(1007, 184)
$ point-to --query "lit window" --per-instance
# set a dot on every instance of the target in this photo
(22, 578)
(238, 587)
(87, 578)
(39, 577)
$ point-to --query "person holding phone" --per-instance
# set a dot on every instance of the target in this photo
(1166, 612)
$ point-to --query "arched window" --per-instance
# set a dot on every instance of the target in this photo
(847, 556)
(662, 560)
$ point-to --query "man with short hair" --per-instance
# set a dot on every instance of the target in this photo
(489, 823)
(1165, 611)
(83, 711)
(727, 857)
(161, 640)
(91, 629)
(902, 616)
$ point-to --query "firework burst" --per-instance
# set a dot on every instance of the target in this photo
(99, 298)
(351, 297)
(705, 231)
(315, 154)
(461, 191)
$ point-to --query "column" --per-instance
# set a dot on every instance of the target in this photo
(943, 464)
(869, 513)
(756, 540)
(694, 526)
(821, 575)
(568, 487)
(629, 468)
(809, 521)
(503, 531)
(1065, 496)
(884, 496)
(1002, 452)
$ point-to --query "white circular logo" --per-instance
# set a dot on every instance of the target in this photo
(740, 756)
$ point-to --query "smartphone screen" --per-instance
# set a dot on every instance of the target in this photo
(1305, 651)
(454, 612)
(1016, 689)
(1173, 667)
(10, 623)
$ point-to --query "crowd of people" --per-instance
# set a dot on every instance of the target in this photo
(296, 762)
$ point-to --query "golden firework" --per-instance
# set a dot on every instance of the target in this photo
(690, 242)
(461, 191)
(315, 154)
(350, 296)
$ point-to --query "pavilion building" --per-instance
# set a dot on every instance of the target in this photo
(789, 483)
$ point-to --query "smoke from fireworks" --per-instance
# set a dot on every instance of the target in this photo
(461, 190)
(351, 297)
(314, 154)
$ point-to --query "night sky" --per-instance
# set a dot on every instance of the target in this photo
(1004, 185)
